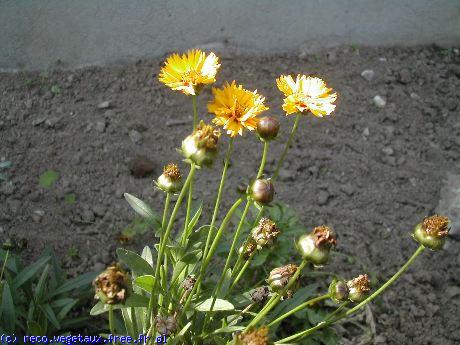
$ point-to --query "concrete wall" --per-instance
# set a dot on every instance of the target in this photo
(36, 34)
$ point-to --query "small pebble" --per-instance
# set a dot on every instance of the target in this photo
(368, 74)
(379, 101)
(104, 105)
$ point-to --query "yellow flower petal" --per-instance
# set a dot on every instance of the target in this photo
(190, 72)
(236, 108)
(306, 94)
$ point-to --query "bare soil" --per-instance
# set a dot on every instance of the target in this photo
(370, 172)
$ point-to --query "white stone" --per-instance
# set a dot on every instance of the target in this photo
(368, 74)
(379, 101)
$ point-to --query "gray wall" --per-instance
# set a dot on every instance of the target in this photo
(37, 34)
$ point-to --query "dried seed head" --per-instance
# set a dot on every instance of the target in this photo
(359, 288)
(200, 147)
(248, 249)
(172, 171)
(268, 127)
(260, 294)
(265, 233)
(280, 276)
(316, 245)
(338, 290)
(262, 191)
(189, 283)
(166, 325)
(112, 285)
(253, 337)
(432, 232)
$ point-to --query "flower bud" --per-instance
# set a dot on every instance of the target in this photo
(112, 285)
(338, 290)
(260, 294)
(171, 179)
(200, 147)
(432, 232)
(253, 336)
(262, 191)
(268, 127)
(359, 288)
(316, 246)
(265, 233)
(166, 325)
(280, 276)
(247, 249)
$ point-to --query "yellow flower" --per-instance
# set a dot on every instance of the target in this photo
(190, 72)
(306, 94)
(236, 108)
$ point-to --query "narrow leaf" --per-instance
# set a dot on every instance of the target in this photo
(219, 305)
(29, 272)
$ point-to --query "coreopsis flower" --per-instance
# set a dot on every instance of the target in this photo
(265, 232)
(338, 290)
(260, 294)
(171, 179)
(165, 325)
(190, 72)
(262, 191)
(432, 232)
(316, 245)
(236, 108)
(306, 94)
(253, 336)
(200, 147)
(268, 128)
(359, 288)
(112, 285)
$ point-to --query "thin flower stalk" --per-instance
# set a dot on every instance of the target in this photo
(359, 306)
(111, 323)
(286, 147)
(299, 308)
(264, 159)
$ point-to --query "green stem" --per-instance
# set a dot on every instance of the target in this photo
(165, 211)
(163, 240)
(227, 262)
(276, 297)
(195, 112)
(213, 248)
(187, 215)
(335, 312)
(219, 196)
(298, 308)
(111, 320)
(323, 324)
(264, 159)
(288, 144)
(4, 264)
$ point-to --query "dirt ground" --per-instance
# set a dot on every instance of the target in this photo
(371, 172)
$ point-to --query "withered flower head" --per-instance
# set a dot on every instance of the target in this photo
(189, 283)
(112, 285)
(200, 147)
(279, 277)
(263, 191)
(359, 288)
(166, 325)
(171, 180)
(265, 233)
(260, 294)
(248, 248)
(432, 232)
(253, 336)
(316, 245)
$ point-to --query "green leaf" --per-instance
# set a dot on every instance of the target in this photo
(136, 300)
(70, 199)
(40, 289)
(147, 255)
(50, 315)
(34, 328)
(195, 218)
(229, 329)
(219, 305)
(29, 272)
(8, 313)
(145, 282)
(48, 178)
(59, 303)
(65, 310)
(180, 335)
(138, 266)
(142, 209)
(5, 164)
(75, 283)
